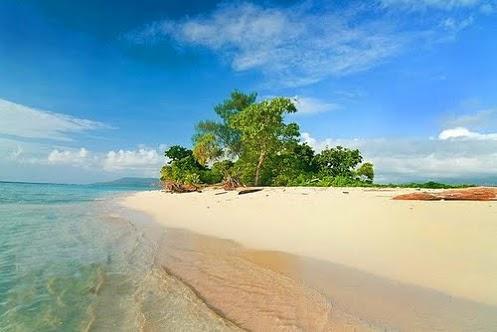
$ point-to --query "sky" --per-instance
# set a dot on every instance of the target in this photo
(96, 90)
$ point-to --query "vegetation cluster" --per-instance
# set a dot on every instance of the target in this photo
(251, 144)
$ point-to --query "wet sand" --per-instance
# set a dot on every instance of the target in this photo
(253, 296)
(370, 263)
(268, 290)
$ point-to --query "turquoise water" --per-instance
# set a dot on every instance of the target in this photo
(57, 247)
(72, 259)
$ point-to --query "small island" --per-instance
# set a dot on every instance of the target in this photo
(317, 227)
(251, 144)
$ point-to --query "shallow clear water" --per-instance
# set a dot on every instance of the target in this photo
(70, 260)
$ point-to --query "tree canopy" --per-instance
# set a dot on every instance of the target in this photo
(252, 142)
(263, 132)
(338, 161)
(221, 136)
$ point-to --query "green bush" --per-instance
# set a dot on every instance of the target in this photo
(182, 167)
(211, 176)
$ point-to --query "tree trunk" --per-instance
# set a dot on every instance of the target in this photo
(262, 156)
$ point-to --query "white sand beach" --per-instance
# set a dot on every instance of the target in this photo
(447, 248)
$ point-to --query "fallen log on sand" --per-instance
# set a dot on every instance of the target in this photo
(249, 191)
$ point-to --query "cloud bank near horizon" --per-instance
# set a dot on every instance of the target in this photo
(457, 154)
(461, 152)
(39, 140)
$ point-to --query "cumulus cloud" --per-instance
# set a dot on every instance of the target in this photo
(142, 161)
(423, 159)
(145, 159)
(79, 157)
(459, 132)
(464, 133)
(25, 122)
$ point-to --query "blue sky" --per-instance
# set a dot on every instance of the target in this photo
(96, 90)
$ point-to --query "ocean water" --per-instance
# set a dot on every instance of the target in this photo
(72, 260)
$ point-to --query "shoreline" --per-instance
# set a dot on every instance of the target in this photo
(268, 290)
(356, 246)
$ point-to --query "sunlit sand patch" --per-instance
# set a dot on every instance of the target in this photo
(268, 290)
(247, 293)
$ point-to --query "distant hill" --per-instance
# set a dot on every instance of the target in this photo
(130, 182)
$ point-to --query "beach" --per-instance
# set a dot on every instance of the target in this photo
(342, 258)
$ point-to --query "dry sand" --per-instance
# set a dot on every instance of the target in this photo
(403, 264)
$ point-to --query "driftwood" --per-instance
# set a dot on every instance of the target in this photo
(175, 187)
(470, 194)
(231, 183)
(423, 196)
(249, 191)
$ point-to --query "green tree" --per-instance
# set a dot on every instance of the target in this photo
(223, 168)
(206, 149)
(177, 152)
(214, 137)
(263, 132)
(250, 143)
(292, 166)
(338, 161)
(366, 172)
(181, 167)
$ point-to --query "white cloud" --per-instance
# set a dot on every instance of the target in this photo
(438, 4)
(423, 159)
(18, 152)
(79, 157)
(308, 105)
(142, 161)
(486, 118)
(464, 133)
(294, 46)
(454, 25)
(22, 121)
(310, 41)
(146, 159)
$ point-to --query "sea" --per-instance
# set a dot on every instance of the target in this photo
(72, 259)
